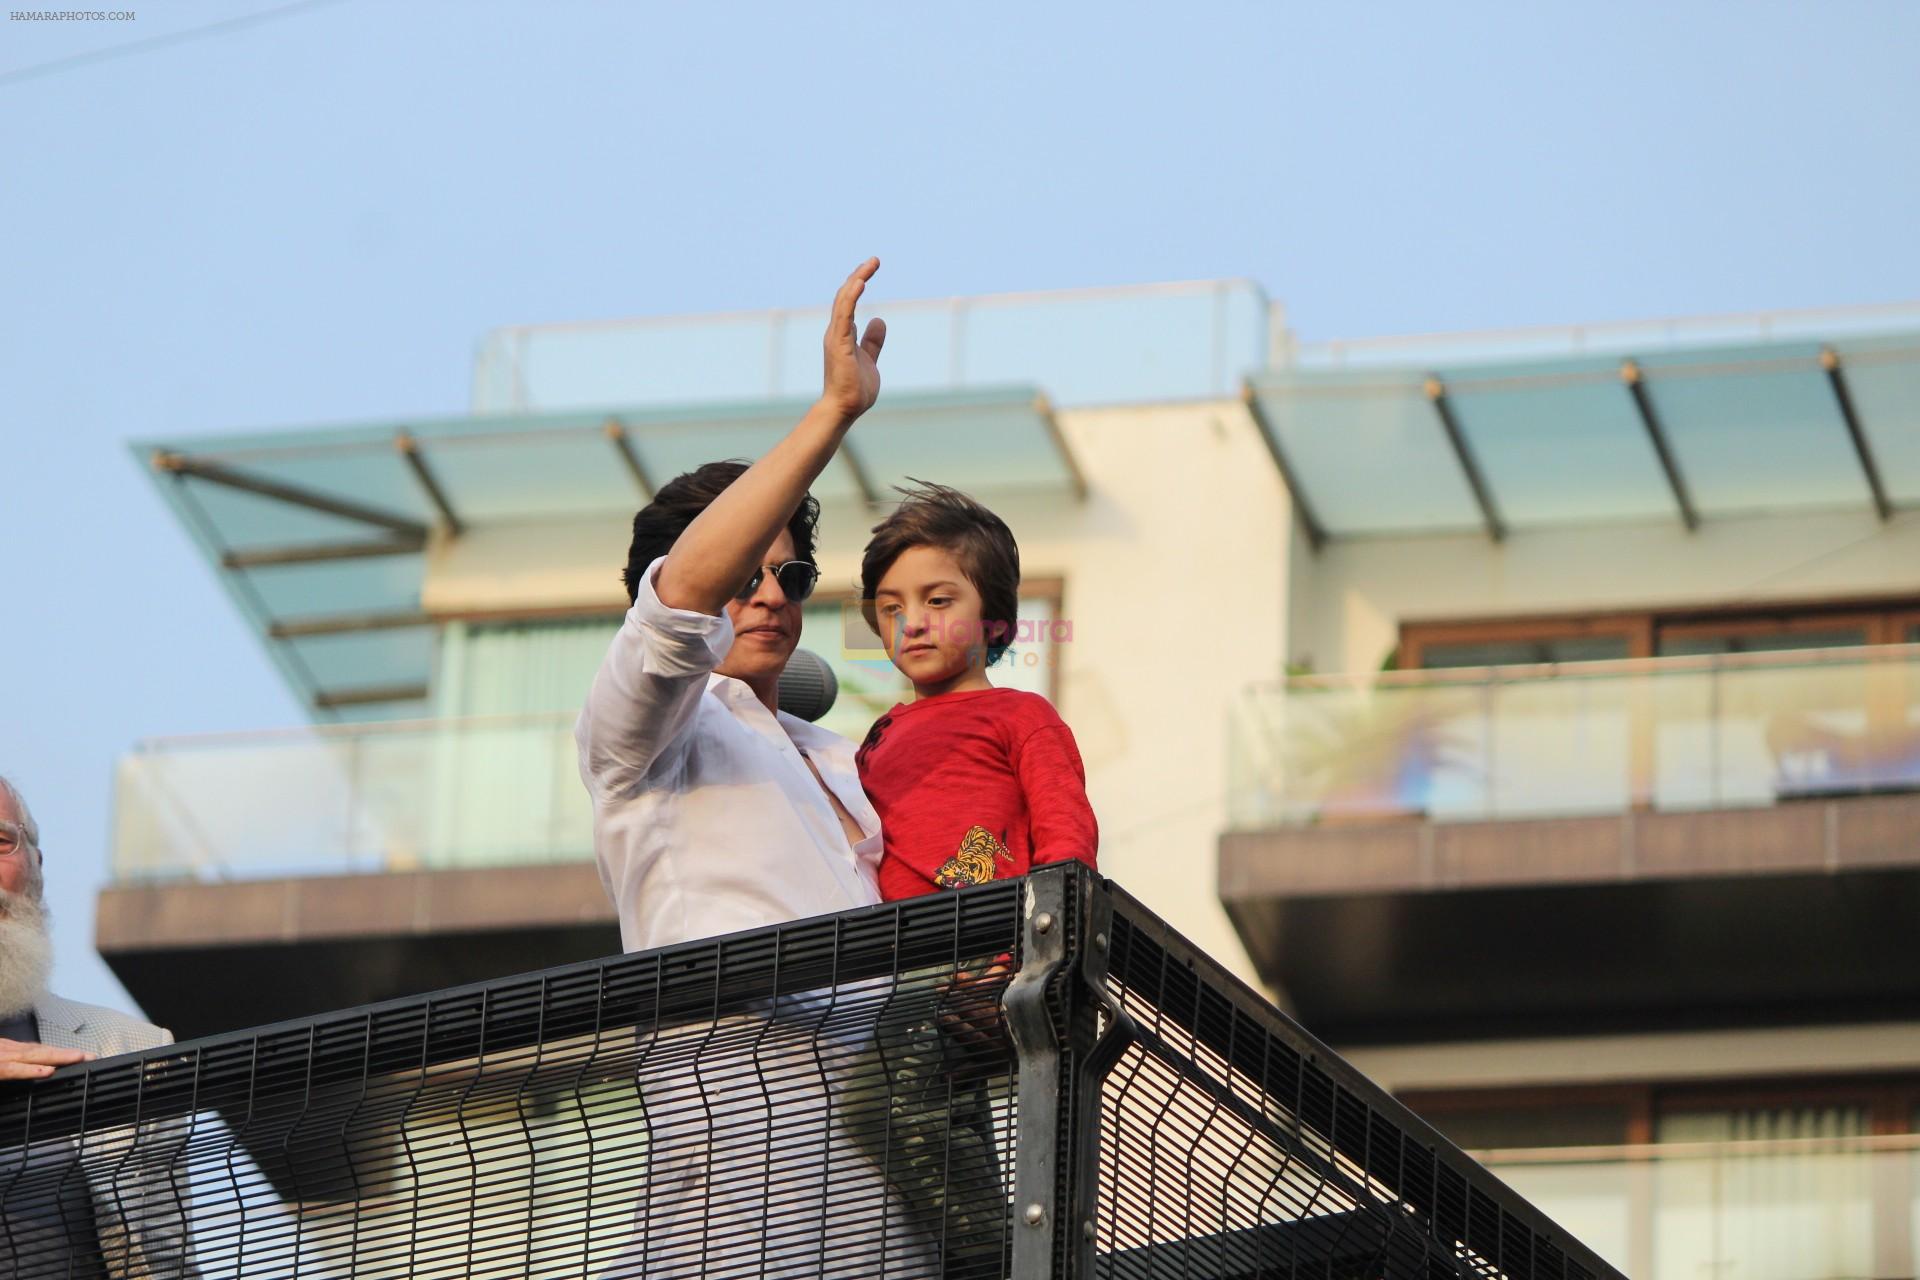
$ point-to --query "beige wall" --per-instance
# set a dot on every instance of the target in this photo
(552, 564)
(1349, 602)
(1174, 570)
(1175, 576)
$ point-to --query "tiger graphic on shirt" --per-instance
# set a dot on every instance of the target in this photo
(976, 863)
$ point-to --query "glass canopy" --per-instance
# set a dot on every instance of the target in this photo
(320, 535)
(1689, 434)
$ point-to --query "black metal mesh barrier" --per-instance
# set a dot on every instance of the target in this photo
(1232, 1144)
(1034, 1078)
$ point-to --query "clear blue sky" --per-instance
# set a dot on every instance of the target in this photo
(313, 219)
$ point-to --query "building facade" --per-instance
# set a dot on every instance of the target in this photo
(1589, 819)
(1537, 716)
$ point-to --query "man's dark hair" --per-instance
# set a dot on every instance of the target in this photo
(659, 524)
(933, 515)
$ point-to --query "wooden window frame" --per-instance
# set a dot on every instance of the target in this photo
(1049, 587)
(1891, 1102)
(1635, 1100)
(1417, 637)
(1883, 619)
(1874, 627)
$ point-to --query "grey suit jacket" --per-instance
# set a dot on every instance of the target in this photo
(142, 1220)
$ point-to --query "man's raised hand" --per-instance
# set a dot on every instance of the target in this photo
(852, 381)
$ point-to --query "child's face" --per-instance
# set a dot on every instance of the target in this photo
(929, 616)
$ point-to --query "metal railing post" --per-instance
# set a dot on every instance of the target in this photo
(1040, 1178)
(1067, 928)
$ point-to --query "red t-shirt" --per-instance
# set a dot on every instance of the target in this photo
(972, 787)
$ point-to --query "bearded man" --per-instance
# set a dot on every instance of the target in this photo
(54, 1224)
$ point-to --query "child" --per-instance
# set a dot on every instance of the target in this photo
(972, 784)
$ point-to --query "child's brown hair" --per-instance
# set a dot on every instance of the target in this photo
(933, 515)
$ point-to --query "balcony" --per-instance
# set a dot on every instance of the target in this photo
(274, 875)
(1621, 844)
(822, 1098)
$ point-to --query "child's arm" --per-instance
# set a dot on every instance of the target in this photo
(1060, 820)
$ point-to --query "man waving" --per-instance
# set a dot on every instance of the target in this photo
(716, 812)
(713, 811)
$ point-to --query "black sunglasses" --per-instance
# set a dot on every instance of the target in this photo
(796, 579)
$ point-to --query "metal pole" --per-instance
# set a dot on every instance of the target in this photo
(1843, 399)
(1041, 1189)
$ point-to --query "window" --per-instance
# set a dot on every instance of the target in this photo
(1665, 633)
(519, 668)
(1770, 1192)
(534, 666)
(1913, 1187)
(1767, 1181)
(1767, 636)
(1521, 641)
(1507, 653)
(1488, 1128)
(869, 684)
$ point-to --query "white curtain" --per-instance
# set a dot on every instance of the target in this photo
(505, 789)
(1784, 1215)
(493, 669)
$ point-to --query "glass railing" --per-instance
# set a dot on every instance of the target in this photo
(1580, 738)
(1619, 338)
(398, 796)
(1181, 341)
(1806, 1209)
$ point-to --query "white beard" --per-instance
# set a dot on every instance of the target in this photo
(26, 953)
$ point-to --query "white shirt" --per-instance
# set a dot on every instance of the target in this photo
(706, 819)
